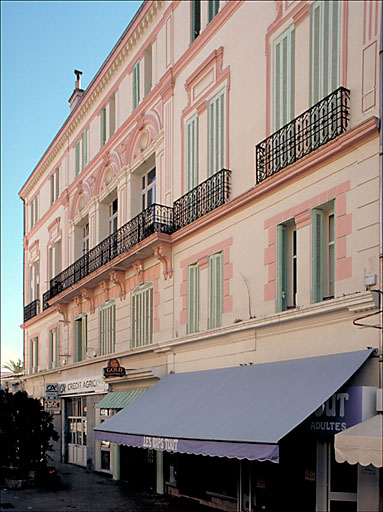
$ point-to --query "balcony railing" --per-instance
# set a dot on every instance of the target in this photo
(32, 309)
(318, 125)
(204, 198)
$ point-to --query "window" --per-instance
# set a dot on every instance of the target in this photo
(85, 238)
(107, 328)
(54, 347)
(193, 298)
(34, 280)
(148, 70)
(55, 186)
(215, 290)
(323, 229)
(142, 315)
(192, 153)
(54, 260)
(195, 19)
(213, 7)
(77, 158)
(34, 211)
(112, 114)
(217, 133)
(80, 338)
(325, 49)
(284, 78)
(136, 84)
(148, 189)
(33, 355)
(113, 214)
(84, 141)
(103, 126)
(287, 266)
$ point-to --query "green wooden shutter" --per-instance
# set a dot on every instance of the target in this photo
(217, 133)
(50, 349)
(317, 257)
(195, 19)
(84, 149)
(84, 336)
(57, 348)
(192, 153)
(52, 183)
(213, 9)
(30, 355)
(136, 84)
(57, 184)
(193, 298)
(284, 78)
(77, 340)
(103, 126)
(281, 267)
(36, 358)
(215, 290)
(77, 158)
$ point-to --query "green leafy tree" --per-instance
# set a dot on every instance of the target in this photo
(25, 433)
(14, 366)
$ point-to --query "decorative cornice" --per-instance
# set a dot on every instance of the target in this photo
(88, 294)
(164, 253)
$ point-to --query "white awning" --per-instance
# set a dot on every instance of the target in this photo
(362, 443)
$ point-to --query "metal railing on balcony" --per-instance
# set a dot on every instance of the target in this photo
(32, 309)
(204, 198)
(155, 219)
(318, 125)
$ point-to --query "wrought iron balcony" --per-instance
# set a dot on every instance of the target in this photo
(204, 198)
(31, 310)
(318, 125)
(155, 219)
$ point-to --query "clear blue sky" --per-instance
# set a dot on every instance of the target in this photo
(41, 44)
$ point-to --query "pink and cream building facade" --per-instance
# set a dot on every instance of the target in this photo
(211, 203)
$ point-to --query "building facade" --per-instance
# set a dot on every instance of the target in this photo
(213, 202)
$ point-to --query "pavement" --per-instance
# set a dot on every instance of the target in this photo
(80, 491)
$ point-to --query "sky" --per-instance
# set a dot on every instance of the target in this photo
(41, 45)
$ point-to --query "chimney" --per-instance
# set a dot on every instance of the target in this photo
(77, 94)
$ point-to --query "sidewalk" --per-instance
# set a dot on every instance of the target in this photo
(80, 491)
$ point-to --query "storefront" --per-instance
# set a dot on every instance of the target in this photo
(268, 429)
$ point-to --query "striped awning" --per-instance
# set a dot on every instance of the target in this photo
(119, 399)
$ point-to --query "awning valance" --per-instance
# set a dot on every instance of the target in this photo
(239, 412)
(362, 443)
(119, 399)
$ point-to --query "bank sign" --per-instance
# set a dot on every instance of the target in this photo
(93, 384)
(342, 410)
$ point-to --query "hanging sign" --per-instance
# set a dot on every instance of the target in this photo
(114, 369)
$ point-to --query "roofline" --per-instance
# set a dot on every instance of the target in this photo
(144, 6)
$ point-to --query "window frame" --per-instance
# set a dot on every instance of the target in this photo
(287, 102)
(80, 337)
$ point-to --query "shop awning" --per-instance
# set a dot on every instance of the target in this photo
(239, 412)
(362, 443)
(119, 399)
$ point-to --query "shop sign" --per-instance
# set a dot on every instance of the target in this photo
(114, 369)
(341, 411)
(92, 384)
(160, 443)
(51, 391)
(52, 406)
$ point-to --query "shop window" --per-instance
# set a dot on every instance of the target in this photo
(193, 298)
(136, 84)
(215, 290)
(217, 133)
(284, 78)
(148, 70)
(323, 240)
(142, 315)
(54, 347)
(192, 153)
(80, 338)
(195, 19)
(107, 328)
(287, 266)
(54, 186)
(33, 355)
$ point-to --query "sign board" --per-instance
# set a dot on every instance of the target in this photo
(86, 385)
(52, 406)
(51, 391)
(114, 369)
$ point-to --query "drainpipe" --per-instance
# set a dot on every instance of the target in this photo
(23, 289)
(381, 200)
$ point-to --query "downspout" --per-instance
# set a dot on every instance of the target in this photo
(381, 196)
(23, 288)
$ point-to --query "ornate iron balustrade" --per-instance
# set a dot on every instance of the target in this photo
(155, 219)
(31, 310)
(204, 198)
(318, 125)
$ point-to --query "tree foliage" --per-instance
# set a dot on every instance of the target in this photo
(14, 366)
(25, 433)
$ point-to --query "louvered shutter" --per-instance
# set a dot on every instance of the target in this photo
(50, 356)
(193, 298)
(215, 290)
(284, 78)
(57, 348)
(84, 149)
(217, 133)
(77, 158)
(192, 153)
(84, 334)
(317, 255)
(36, 355)
(103, 126)
(213, 9)
(30, 356)
(136, 84)
(281, 267)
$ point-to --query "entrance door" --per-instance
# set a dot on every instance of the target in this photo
(77, 441)
(336, 482)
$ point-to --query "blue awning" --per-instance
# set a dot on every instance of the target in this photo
(240, 412)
